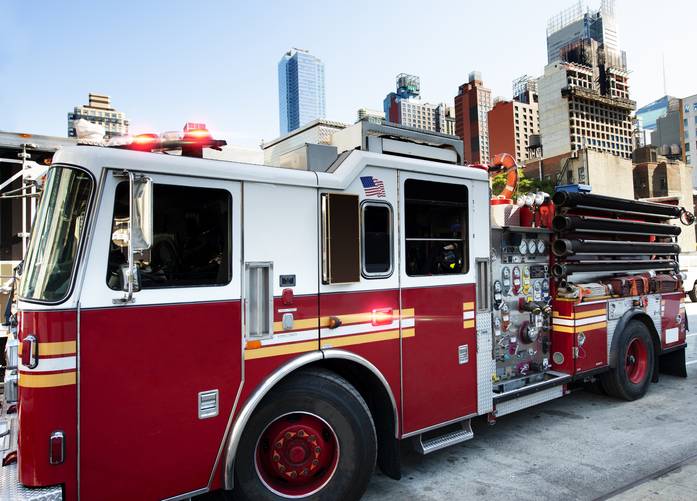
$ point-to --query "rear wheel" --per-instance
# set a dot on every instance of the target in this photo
(311, 437)
(631, 376)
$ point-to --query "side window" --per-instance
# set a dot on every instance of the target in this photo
(435, 220)
(192, 233)
(377, 239)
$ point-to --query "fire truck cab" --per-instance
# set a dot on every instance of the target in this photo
(187, 325)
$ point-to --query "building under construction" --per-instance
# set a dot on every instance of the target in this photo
(584, 92)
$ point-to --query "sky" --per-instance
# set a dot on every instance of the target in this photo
(168, 62)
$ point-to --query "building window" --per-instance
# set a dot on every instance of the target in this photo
(377, 239)
(192, 233)
(436, 228)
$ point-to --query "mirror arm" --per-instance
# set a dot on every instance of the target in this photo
(128, 296)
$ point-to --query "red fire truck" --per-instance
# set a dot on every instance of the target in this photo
(187, 325)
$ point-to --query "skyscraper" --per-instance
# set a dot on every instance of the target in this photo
(472, 106)
(99, 111)
(579, 22)
(300, 89)
(655, 110)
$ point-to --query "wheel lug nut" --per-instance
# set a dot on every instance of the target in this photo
(293, 474)
(278, 445)
(281, 468)
(313, 438)
(315, 462)
(305, 471)
(276, 458)
(288, 435)
(301, 433)
(317, 450)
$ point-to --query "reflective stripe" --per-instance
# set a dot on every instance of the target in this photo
(579, 328)
(283, 349)
(57, 348)
(47, 380)
(51, 364)
(366, 338)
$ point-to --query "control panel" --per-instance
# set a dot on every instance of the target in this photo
(521, 306)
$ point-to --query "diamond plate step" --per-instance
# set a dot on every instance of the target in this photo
(426, 446)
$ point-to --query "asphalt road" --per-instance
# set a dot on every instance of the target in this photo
(583, 446)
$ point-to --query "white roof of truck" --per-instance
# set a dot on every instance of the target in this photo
(96, 158)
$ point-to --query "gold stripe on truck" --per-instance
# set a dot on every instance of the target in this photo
(47, 380)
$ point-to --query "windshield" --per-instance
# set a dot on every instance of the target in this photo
(56, 235)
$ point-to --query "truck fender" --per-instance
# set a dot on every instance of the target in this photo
(271, 381)
(641, 316)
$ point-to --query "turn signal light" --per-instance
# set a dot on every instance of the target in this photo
(382, 316)
(56, 448)
(30, 352)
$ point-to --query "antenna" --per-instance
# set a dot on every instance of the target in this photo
(665, 91)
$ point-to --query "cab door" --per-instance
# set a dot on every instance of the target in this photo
(441, 234)
(359, 289)
(158, 376)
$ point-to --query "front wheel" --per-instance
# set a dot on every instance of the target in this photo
(311, 437)
(630, 378)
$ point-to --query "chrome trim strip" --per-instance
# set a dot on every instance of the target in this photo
(77, 382)
(243, 339)
(252, 402)
(439, 425)
(187, 495)
(347, 355)
(398, 233)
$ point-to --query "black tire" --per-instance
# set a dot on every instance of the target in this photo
(618, 381)
(320, 394)
(693, 293)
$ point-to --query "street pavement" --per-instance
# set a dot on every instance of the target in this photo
(584, 446)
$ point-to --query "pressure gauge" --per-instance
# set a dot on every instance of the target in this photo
(532, 246)
(523, 247)
(540, 246)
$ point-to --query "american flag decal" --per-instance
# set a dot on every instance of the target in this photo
(373, 187)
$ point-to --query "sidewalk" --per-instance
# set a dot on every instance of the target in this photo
(679, 484)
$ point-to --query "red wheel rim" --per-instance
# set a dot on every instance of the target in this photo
(297, 454)
(636, 361)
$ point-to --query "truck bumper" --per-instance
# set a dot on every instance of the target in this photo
(10, 488)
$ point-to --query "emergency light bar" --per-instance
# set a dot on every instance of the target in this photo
(191, 142)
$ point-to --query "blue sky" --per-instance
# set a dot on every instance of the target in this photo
(165, 63)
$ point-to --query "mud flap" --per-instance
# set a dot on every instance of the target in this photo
(389, 460)
(673, 363)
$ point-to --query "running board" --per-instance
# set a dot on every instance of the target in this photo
(528, 400)
(438, 442)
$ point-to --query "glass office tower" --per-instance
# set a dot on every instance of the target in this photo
(300, 89)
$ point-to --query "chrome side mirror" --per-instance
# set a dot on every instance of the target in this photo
(138, 233)
(141, 215)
